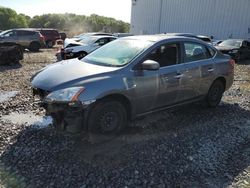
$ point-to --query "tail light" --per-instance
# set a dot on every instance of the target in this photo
(42, 37)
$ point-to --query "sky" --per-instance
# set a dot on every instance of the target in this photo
(118, 9)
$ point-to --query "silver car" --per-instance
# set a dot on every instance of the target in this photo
(87, 45)
(131, 77)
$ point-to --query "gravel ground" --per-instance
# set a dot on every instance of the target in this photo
(188, 147)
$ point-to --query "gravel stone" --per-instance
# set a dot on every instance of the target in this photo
(192, 146)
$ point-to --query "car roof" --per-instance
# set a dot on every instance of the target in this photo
(101, 36)
(158, 37)
(237, 39)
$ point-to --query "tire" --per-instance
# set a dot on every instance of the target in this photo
(49, 44)
(81, 55)
(107, 117)
(215, 93)
(34, 46)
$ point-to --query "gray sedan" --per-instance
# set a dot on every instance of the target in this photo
(131, 77)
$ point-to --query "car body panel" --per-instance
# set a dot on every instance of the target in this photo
(69, 71)
(144, 90)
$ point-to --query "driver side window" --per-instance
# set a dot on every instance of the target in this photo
(165, 55)
(101, 42)
(9, 34)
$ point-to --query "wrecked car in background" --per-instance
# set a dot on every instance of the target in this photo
(238, 49)
(131, 77)
(85, 46)
(10, 53)
(82, 36)
(200, 37)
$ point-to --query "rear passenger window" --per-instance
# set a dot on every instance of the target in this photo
(165, 55)
(195, 52)
(25, 33)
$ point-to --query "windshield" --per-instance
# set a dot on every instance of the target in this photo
(4, 32)
(234, 43)
(117, 53)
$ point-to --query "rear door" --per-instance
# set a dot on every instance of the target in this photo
(24, 37)
(199, 71)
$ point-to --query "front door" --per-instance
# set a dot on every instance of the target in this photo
(168, 56)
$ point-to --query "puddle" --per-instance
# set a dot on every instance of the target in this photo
(28, 118)
(6, 95)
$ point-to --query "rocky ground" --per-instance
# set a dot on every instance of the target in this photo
(189, 147)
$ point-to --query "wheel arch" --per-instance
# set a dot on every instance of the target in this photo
(222, 79)
(120, 98)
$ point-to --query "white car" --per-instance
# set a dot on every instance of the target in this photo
(80, 49)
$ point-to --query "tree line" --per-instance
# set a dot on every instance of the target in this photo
(70, 23)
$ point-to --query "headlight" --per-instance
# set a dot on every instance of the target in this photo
(65, 95)
(233, 51)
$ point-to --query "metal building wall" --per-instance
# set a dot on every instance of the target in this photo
(219, 18)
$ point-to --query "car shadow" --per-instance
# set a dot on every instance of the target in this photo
(5, 67)
(190, 147)
(244, 62)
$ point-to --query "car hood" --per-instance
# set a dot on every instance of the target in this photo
(68, 73)
(226, 48)
(70, 41)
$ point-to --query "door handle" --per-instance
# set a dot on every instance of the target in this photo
(210, 70)
(178, 76)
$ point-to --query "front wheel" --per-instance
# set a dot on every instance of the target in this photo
(49, 44)
(34, 46)
(215, 93)
(82, 55)
(107, 117)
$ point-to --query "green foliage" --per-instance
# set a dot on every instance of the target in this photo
(71, 23)
(10, 19)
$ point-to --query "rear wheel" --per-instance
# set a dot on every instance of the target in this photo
(107, 117)
(215, 93)
(49, 44)
(34, 46)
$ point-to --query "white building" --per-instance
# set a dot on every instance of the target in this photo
(219, 18)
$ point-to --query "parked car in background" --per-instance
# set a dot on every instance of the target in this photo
(238, 49)
(86, 35)
(216, 42)
(10, 53)
(200, 37)
(50, 36)
(119, 35)
(84, 47)
(27, 38)
(63, 36)
(131, 77)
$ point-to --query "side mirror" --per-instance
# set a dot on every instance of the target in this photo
(150, 65)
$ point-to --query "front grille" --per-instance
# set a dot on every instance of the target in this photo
(224, 51)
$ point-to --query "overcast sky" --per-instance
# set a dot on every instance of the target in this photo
(118, 9)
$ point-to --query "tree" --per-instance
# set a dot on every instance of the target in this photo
(72, 23)
(10, 19)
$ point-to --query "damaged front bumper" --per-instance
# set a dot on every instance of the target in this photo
(67, 116)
